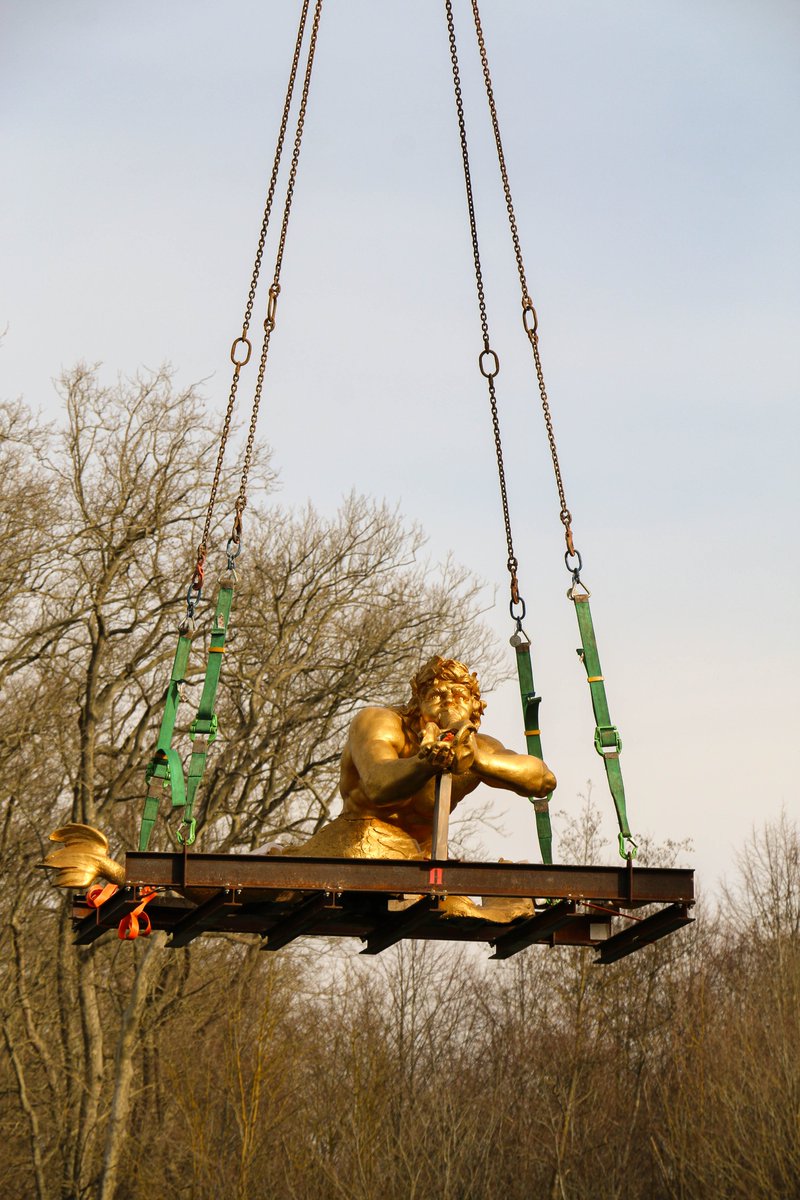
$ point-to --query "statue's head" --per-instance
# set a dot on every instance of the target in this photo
(445, 691)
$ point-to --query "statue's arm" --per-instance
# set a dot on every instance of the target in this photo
(520, 773)
(375, 743)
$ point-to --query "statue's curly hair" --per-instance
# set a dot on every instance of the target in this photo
(450, 670)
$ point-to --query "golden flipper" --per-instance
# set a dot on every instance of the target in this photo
(82, 858)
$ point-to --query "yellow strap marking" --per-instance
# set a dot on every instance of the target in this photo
(595, 678)
(532, 732)
(216, 649)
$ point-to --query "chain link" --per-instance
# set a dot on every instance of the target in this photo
(529, 318)
(487, 355)
(275, 287)
(238, 359)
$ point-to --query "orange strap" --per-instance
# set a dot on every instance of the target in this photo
(129, 925)
(98, 894)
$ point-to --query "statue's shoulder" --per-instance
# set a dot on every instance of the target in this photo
(488, 742)
(377, 722)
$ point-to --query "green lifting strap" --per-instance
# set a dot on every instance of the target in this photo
(607, 741)
(533, 740)
(203, 730)
(163, 765)
(166, 763)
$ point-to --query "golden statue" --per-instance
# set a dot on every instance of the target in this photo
(389, 770)
(392, 758)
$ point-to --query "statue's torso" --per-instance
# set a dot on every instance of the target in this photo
(413, 814)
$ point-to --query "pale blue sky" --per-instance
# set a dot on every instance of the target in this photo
(653, 156)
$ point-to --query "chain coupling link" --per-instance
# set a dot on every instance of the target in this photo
(574, 569)
(232, 550)
(518, 610)
(272, 306)
(494, 367)
(242, 340)
(530, 320)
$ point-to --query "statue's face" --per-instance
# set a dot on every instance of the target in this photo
(446, 703)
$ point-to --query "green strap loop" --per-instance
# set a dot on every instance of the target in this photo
(607, 741)
(533, 740)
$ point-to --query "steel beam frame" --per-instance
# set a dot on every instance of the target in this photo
(624, 885)
(280, 899)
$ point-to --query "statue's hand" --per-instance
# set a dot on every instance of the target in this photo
(464, 747)
(449, 749)
(430, 735)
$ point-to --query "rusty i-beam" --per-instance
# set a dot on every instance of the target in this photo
(624, 884)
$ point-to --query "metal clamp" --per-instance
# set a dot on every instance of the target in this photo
(519, 639)
(630, 851)
(191, 832)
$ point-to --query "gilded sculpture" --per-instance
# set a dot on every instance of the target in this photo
(392, 758)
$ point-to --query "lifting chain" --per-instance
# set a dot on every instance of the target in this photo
(530, 320)
(275, 286)
(166, 768)
(488, 361)
(241, 348)
(607, 739)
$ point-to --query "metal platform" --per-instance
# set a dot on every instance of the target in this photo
(384, 901)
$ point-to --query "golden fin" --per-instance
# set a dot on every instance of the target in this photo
(82, 858)
(74, 834)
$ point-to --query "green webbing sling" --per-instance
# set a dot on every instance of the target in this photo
(166, 767)
(607, 741)
(203, 730)
(533, 740)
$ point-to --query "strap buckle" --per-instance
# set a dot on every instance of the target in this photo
(204, 727)
(607, 740)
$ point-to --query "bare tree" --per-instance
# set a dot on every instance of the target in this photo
(672, 1074)
(328, 613)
